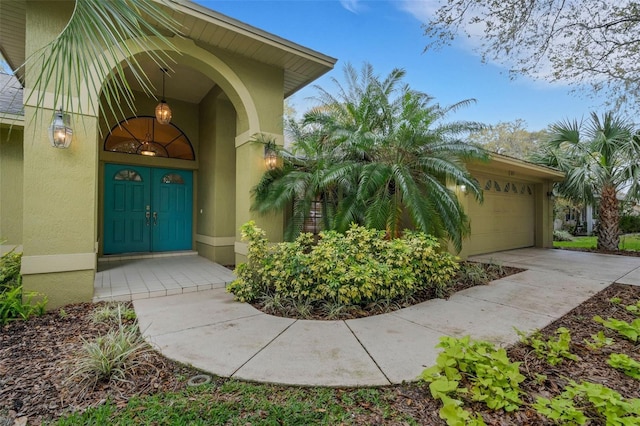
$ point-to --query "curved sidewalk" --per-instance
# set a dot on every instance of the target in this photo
(210, 331)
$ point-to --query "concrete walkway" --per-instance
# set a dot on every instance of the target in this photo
(210, 331)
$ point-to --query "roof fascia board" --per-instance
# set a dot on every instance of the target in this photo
(11, 120)
(201, 12)
(521, 165)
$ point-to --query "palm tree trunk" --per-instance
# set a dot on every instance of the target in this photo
(608, 229)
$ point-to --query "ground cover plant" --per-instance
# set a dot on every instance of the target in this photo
(345, 276)
(37, 355)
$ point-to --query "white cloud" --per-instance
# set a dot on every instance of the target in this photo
(420, 9)
(352, 6)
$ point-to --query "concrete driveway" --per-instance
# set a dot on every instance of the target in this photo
(210, 331)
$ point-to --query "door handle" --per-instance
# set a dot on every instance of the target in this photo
(155, 218)
(147, 215)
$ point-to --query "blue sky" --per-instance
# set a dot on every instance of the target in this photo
(386, 34)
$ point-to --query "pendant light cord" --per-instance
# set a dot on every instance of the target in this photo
(164, 71)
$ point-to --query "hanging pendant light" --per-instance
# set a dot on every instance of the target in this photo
(163, 112)
(147, 148)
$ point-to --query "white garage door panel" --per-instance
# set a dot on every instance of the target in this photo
(506, 219)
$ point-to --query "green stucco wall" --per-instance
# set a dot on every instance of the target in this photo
(215, 209)
(266, 85)
(59, 185)
(62, 288)
(11, 159)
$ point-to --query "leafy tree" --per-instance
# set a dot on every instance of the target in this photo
(593, 42)
(600, 159)
(509, 138)
(379, 154)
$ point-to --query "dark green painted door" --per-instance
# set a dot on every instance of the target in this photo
(147, 209)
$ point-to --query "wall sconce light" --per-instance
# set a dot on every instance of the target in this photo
(60, 132)
(270, 155)
(163, 112)
(463, 189)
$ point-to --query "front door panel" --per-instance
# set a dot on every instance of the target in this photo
(147, 209)
(172, 209)
(126, 197)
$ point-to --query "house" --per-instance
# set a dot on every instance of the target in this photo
(141, 186)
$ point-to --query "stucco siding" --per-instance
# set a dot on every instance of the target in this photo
(215, 210)
(11, 180)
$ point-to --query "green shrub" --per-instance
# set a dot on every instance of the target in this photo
(629, 224)
(357, 267)
(10, 270)
(560, 235)
(14, 304)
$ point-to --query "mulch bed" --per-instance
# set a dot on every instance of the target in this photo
(36, 357)
(630, 253)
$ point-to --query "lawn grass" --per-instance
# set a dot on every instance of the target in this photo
(627, 242)
(239, 403)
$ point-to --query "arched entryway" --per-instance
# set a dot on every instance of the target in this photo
(146, 208)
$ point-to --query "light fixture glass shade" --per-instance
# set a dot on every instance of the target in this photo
(270, 157)
(60, 132)
(147, 147)
(163, 112)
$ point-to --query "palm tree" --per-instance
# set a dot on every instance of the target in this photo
(388, 161)
(600, 159)
(310, 174)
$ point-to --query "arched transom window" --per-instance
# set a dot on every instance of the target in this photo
(145, 136)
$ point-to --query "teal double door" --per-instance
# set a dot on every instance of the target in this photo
(147, 209)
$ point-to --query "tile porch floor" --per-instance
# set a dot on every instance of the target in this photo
(124, 278)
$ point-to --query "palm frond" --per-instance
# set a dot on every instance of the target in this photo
(99, 35)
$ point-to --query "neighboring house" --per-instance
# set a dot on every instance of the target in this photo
(103, 196)
(583, 219)
(579, 220)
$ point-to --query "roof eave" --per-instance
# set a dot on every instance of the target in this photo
(504, 162)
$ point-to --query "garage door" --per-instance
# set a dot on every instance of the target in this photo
(506, 219)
